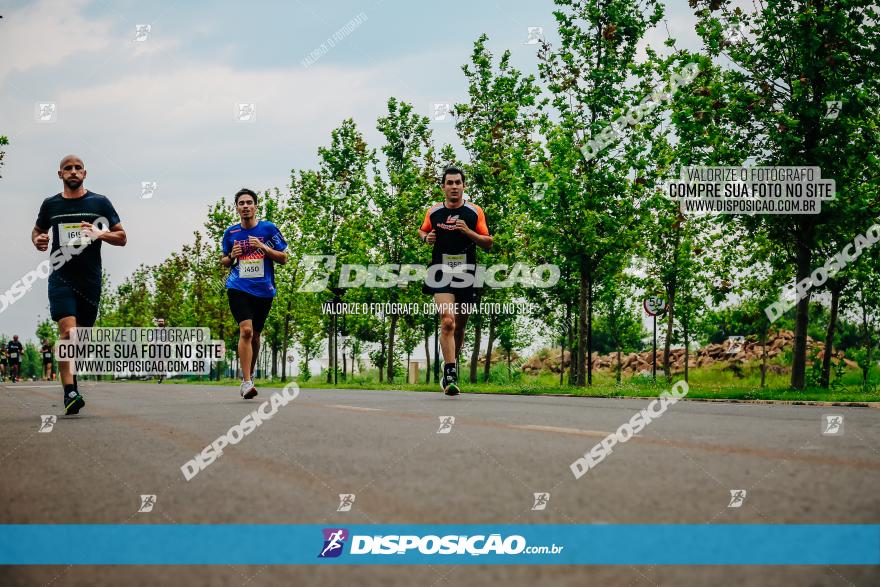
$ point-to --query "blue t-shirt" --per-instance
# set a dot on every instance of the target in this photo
(253, 273)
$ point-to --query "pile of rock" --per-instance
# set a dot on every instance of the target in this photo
(728, 353)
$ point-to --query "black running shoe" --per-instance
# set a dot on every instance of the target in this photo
(73, 403)
(450, 385)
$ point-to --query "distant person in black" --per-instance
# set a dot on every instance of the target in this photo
(46, 353)
(160, 323)
(455, 228)
(13, 354)
(78, 220)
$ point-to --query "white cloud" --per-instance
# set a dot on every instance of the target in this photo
(48, 33)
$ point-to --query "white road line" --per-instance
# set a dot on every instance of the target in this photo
(577, 431)
(30, 386)
(355, 408)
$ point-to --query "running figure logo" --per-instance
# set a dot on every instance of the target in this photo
(47, 423)
(737, 497)
(142, 32)
(446, 423)
(441, 110)
(47, 112)
(147, 503)
(832, 424)
(148, 189)
(346, 500)
(334, 540)
(734, 344)
(316, 272)
(536, 35)
(246, 112)
(832, 109)
(541, 500)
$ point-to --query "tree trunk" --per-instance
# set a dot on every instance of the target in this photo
(286, 339)
(667, 344)
(618, 363)
(580, 380)
(763, 358)
(427, 357)
(275, 357)
(572, 352)
(867, 339)
(344, 353)
(335, 349)
(562, 357)
(391, 334)
(490, 343)
(475, 354)
(382, 363)
(802, 316)
(687, 350)
(590, 329)
(829, 335)
(330, 351)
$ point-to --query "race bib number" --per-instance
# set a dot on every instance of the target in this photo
(251, 268)
(13, 355)
(69, 234)
(454, 261)
(47, 355)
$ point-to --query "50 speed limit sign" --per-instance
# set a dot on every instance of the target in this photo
(654, 305)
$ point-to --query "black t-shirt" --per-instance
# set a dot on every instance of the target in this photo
(452, 246)
(46, 351)
(63, 216)
(13, 351)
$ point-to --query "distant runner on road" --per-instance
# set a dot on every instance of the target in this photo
(455, 228)
(46, 354)
(14, 351)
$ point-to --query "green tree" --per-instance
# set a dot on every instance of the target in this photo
(594, 211)
(789, 61)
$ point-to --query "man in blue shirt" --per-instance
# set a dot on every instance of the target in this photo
(251, 248)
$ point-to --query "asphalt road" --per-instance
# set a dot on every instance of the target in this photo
(384, 447)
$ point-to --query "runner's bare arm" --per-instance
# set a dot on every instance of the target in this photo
(228, 260)
(484, 241)
(279, 257)
(115, 236)
(426, 230)
(40, 238)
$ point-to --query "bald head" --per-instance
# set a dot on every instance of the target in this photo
(70, 159)
(72, 172)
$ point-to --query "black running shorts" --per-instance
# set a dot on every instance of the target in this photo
(247, 306)
(463, 295)
(74, 298)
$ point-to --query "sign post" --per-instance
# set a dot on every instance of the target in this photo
(654, 305)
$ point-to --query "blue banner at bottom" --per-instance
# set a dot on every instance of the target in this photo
(181, 544)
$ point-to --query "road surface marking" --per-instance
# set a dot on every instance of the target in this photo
(355, 408)
(576, 431)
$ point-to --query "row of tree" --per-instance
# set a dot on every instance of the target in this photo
(759, 97)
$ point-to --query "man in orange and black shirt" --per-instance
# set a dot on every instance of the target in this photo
(455, 228)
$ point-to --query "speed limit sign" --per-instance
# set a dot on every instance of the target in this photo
(654, 305)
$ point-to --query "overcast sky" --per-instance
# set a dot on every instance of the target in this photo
(164, 109)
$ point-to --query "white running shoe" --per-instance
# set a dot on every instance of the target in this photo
(247, 389)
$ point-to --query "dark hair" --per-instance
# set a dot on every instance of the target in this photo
(245, 192)
(452, 170)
